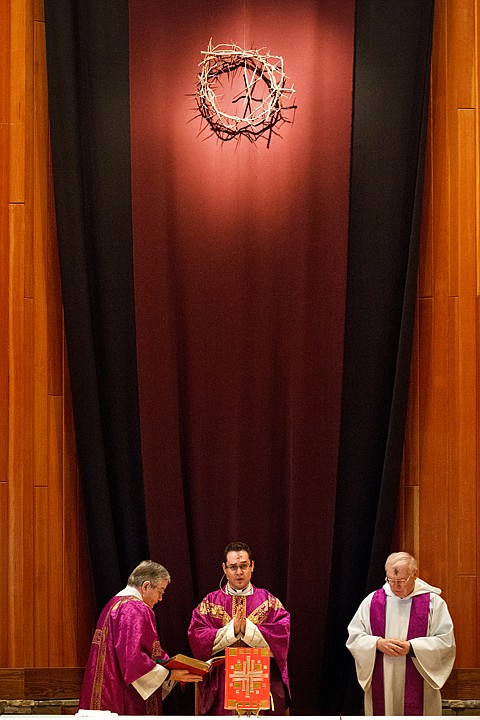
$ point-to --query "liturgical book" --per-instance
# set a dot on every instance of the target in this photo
(247, 679)
(196, 667)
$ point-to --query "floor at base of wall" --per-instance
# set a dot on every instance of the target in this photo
(69, 707)
(38, 707)
(461, 707)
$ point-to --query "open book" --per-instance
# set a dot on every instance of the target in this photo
(197, 667)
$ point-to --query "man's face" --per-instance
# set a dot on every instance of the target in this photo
(401, 579)
(151, 594)
(238, 569)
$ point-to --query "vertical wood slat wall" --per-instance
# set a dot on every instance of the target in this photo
(46, 609)
(439, 514)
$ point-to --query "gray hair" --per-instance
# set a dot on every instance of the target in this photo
(402, 557)
(148, 571)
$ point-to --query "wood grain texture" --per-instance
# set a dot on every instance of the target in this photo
(56, 511)
(19, 49)
(460, 50)
(444, 399)
(5, 22)
(411, 450)
(42, 544)
(4, 235)
(16, 399)
(3, 564)
(426, 267)
(4, 293)
(464, 389)
(41, 576)
(463, 684)
(12, 683)
(63, 683)
(464, 605)
(41, 683)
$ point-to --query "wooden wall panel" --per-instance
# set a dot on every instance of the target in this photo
(461, 52)
(17, 499)
(3, 564)
(20, 48)
(4, 235)
(47, 608)
(38, 11)
(55, 516)
(465, 607)
(444, 405)
(29, 378)
(411, 451)
(52, 682)
(426, 267)
(5, 16)
(465, 387)
(40, 683)
(12, 683)
(41, 290)
(45, 219)
(28, 442)
(41, 546)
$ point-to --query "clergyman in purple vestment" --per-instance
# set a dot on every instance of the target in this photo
(121, 674)
(240, 614)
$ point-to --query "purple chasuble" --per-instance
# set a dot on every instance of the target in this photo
(124, 648)
(417, 627)
(214, 612)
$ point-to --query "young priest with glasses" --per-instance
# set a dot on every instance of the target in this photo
(240, 614)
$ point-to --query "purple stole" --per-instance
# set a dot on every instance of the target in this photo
(417, 627)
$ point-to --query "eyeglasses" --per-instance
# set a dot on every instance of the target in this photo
(395, 581)
(161, 591)
(234, 568)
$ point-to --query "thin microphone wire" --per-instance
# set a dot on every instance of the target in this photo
(220, 584)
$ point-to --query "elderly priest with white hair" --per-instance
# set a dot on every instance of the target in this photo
(403, 643)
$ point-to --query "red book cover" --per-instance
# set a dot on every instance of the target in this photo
(247, 678)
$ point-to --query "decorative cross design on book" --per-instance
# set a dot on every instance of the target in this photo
(247, 678)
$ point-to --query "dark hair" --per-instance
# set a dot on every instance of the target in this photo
(237, 547)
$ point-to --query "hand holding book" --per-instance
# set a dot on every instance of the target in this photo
(184, 676)
(194, 666)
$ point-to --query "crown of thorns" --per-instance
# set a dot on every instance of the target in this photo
(262, 102)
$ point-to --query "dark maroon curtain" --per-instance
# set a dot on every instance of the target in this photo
(240, 267)
(239, 346)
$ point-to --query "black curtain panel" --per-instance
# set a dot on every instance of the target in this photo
(391, 91)
(87, 46)
(239, 318)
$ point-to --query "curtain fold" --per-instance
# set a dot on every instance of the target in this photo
(392, 77)
(240, 263)
(87, 58)
(223, 397)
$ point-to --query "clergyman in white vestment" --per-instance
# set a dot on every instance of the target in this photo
(403, 643)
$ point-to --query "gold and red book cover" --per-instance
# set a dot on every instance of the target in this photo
(247, 678)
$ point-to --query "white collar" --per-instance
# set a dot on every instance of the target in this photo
(244, 591)
(130, 590)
